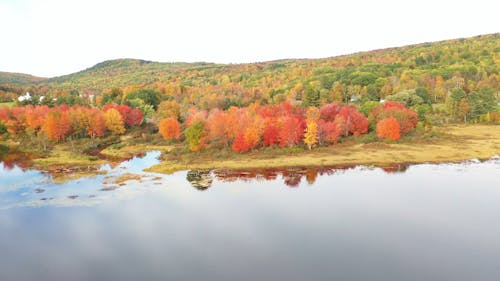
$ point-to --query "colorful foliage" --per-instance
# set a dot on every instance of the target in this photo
(389, 129)
(169, 128)
(114, 121)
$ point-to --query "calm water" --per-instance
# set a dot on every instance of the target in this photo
(423, 222)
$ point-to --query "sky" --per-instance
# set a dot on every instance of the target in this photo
(55, 37)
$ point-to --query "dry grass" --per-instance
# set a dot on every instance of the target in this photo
(62, 154)
(454, 143)
(126, 148)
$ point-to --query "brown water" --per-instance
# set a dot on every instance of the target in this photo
(421, 222)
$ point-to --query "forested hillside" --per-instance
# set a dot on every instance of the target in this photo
(287, 102)
(469, 64)
(19, 79)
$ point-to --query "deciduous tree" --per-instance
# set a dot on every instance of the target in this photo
(169, 128)
(388, 128)
(114, 122)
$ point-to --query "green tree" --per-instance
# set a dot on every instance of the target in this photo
(408, 97)
(146, 109)
(196, 136)
(311, 97)
(481, 102)
(424, 94)
(114, 96)
(147, 96)
(367, 107)
(3, 129)
(453, 102)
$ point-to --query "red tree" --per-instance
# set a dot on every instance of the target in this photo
(134, 117)
(328, 112)
(240, 144)
(291, 130)
(271, 133)
(407, 118)
(388, 128)
(351, 121)
(328, 131)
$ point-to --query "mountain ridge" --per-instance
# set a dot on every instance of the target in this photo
(125, 72)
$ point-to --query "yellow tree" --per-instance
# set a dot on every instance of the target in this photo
(168, 109)
(311, 134)
(439, 90)
(114, 121)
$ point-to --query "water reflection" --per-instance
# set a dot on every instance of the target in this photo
(200, 179)
(12, 159)
(432, 222)
(291, 177)
(21, 186)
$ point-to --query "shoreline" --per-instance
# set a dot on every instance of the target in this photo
(455, 144)
(451, 144)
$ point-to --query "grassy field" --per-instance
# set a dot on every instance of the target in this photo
(7, 104)
(452, 143)
(62, 154)
(446, 144)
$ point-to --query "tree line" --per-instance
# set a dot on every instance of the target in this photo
(239, 128)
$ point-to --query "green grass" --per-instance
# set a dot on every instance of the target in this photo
(7, 104)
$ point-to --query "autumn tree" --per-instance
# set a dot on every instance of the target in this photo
(311, 133)
(168, 109)
(196, 136)
(328, 132)
(388, 128)
(328, 112)
(96, 125)
(240, 144)
(463, 109)
(130, 116)
(114, 122)
(218, 123)
(252, 135)
(351, 121)
(134, 117)
(291, 130)
(407, 118)
(270, 134)
(57, 125)
(169, 128)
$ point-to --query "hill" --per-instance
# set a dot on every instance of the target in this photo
(120, 73)
(19, 79)
(438, 67)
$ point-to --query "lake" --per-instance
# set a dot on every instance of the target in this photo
(418, 222)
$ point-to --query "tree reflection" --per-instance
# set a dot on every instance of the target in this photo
(292, 177)
(14, 159)
(396, 168)
(200, 179)
(311, 175)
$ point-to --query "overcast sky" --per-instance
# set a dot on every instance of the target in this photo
(55, 37)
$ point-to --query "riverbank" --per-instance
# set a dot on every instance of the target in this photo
(450, 144)
(443, 144)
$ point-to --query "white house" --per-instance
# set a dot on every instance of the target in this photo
(27, 96)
